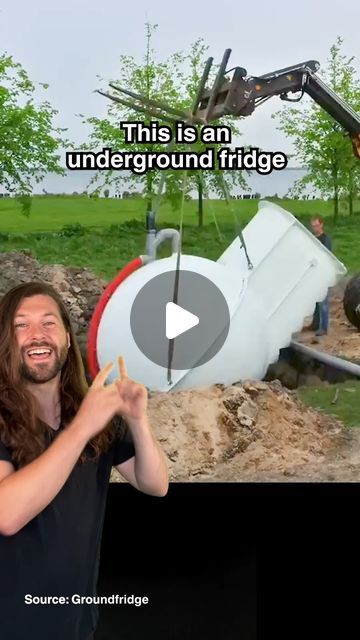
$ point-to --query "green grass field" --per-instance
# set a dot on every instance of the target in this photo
(347, 406)
(105, 240)
(52, 213)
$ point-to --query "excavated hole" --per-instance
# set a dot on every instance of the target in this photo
(296, 370)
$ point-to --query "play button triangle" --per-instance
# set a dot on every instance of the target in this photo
(178, 320)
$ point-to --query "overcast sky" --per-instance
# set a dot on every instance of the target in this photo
(68, 43)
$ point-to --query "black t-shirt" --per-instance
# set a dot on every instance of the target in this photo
(57, 554)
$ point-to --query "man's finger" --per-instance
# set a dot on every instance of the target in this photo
(122, 368)
(102, 375)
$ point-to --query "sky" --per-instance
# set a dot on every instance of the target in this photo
(69, 43)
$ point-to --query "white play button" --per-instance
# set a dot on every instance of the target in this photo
(178, 320)
(155, 321)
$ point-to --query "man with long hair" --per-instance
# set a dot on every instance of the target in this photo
(59, 440)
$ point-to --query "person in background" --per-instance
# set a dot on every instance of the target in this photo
(320, 321)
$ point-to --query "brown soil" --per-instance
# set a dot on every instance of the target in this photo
(249, 432)
(343, 339)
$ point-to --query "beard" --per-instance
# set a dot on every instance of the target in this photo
(42, 372)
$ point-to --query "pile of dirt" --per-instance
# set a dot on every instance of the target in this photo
(254, 431)
(79, 287)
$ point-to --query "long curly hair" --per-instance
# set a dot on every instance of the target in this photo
(21, 430)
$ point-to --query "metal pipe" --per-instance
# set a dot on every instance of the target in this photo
(326, 358)
(150, 234)
(145, 259)
(154, 240)
(168, 234)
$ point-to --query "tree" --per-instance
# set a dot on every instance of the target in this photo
(208, 180)
(152, 79)
(321, 144)
(172, 83)
(29, 143)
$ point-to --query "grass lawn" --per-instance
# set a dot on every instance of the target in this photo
(106, 250)
(52, 213)
(104, 240)
(347, 406)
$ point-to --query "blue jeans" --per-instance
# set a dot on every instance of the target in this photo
(323, 314)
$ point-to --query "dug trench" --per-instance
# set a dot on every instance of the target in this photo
(251, 431)
(295, 370)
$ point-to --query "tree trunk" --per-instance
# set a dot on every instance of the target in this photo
(351, 203)
(200, 205)
(148, 192)
(336, 203)
(351, 193)
(335, 174)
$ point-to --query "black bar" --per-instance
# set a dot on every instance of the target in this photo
(313, 65)
(335, 106)
(217, 84)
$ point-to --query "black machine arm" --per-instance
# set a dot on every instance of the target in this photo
(242, 94)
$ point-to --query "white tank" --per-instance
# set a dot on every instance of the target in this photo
(291, 271)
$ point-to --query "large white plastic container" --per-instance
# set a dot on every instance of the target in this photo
(291, 271)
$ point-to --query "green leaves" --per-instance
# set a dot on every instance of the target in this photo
(173, 81)
(321, 144)
(25, 202)
(29, 143)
